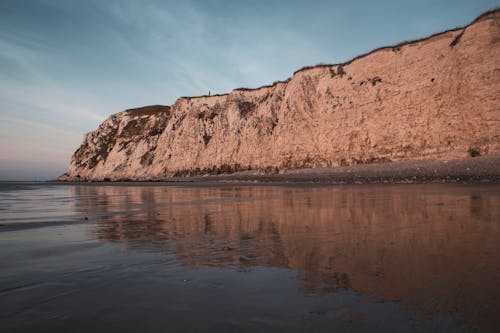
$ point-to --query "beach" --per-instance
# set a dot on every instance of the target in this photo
(272, 257)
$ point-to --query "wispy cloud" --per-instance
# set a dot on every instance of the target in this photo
(33, 86)
(64, 132)
(23, 139)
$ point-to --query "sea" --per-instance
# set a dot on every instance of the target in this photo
(245, 257)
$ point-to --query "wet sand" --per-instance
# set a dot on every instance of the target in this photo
(405, 258)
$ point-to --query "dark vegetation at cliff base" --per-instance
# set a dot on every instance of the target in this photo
(214, 170)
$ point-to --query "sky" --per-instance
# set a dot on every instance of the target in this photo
(66, 65)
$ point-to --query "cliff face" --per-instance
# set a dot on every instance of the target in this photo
(126, 141)
(434, 98)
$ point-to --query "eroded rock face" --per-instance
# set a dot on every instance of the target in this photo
(123, 144)
(436, 98)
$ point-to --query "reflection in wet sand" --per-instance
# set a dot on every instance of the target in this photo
(433, 248)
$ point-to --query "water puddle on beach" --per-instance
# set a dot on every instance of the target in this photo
(129, 258)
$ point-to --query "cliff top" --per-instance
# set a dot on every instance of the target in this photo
(487, 15)
(147, 110)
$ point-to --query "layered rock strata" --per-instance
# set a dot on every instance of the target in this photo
(435, 98)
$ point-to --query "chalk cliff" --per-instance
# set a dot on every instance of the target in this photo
(435, 98)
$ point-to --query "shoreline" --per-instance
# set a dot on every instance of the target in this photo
(468, 170)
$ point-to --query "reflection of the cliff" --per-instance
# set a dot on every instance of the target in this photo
(432, 247)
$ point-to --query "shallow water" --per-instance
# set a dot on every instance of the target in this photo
(406, 258)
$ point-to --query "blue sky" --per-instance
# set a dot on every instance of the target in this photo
(67, 65)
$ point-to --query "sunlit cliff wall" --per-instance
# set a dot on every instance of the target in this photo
(436, 98)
